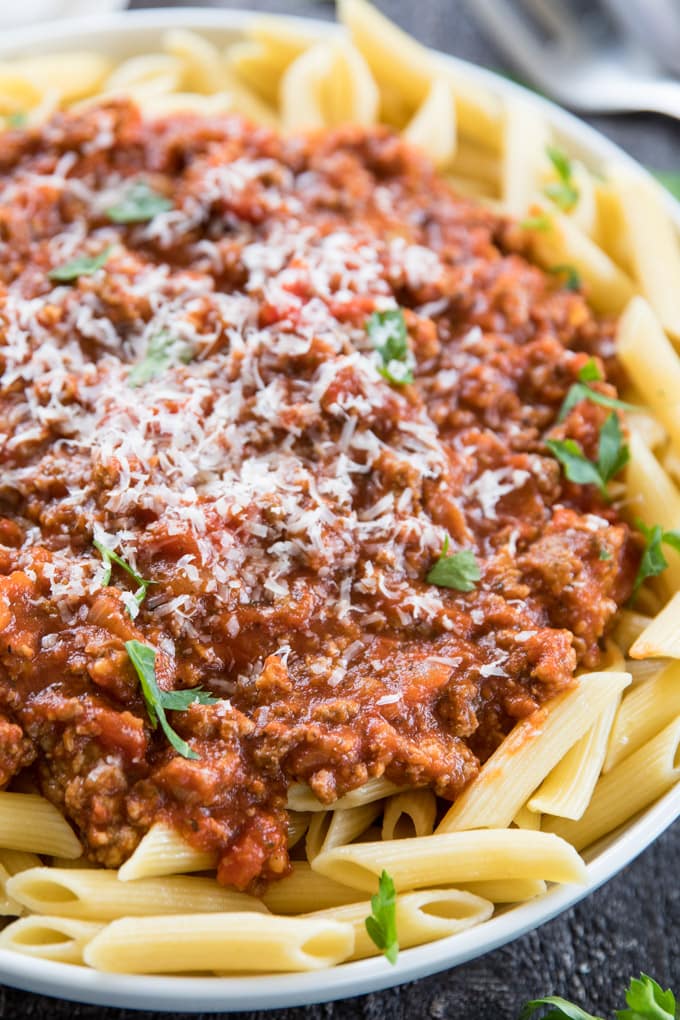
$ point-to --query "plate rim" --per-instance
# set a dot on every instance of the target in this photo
(236, 994)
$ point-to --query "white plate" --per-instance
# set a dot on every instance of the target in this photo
(136, 32)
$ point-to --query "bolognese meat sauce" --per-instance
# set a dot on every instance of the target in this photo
(193, 386)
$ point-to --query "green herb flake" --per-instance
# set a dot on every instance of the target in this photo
(17, 120)
(590, 372)
(541, 222)
(460, 570)
(582, 390)
(604, 554)
(110, 557)
(143, 658)
(563, 192)
(645, 998)
(388, 334)
(381, 924)
(572, 278)
(613, 454)
(653, 560)
(163, 352)
(83, 265)
(139, 204)
(561, 1009)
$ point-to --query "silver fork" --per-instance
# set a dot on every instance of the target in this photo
(559, 55)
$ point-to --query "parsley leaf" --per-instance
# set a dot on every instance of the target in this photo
(143, 658)
(670, 180)
(583, 391)
(653, 561)
(572, 278)
(381, 924)
(613, 454)
(604, 554)
(139, 204)
(387, 331)
(110, 557)
(162, 353)
(647, 1001)
(564, 1010)
(460, 570)
(17, 120)
(563, 192)
(541, 222)
(83, 265)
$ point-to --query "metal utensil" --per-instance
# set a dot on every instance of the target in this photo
(570, 61)
(654, 23)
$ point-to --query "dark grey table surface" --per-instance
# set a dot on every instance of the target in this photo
(633, 923)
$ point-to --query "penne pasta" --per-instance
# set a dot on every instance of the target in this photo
(654, 499)
(98, 895)
(629, 787)
(645, 710)
(61, 939)
(514, 890)
(219, 942)
(304, 890)
(527, 819)
(529, 752)
(454, 858)
(31, 824)
(301, 798)
(629, 626)
(335, 828)
(433, 126)
(525, 141)
(203, 67)
(302, 89)
(163, 851)
(661, 636)
(420, 917)
(409, 814)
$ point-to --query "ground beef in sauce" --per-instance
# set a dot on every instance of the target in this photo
(285, 500)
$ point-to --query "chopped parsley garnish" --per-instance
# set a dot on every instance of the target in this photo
(583, 391)
(17, 120)
(460, 570)
(604, 554)
(163, 352)
(387, 331)
(143, 658)
(653, 561)
(563, 191)
(541, 222)
(612, 455)
(645, 998)
(110, 557)
(83, 265)
(381, 924)
(572, 278)
(139, 204)
(670, 180)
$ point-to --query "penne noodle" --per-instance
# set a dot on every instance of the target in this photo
(453, 858)
(525, 141)
(420, 917)
(629, 626)
(301, 798)
(433, 127)
(652, 361)
(50, 938)
(208, 942)
(72, 76)
(155, 73)
(351, 95)
(645, 710)
(163, 851)
(203, 68)
(655, 500)
(298, 823)
(661, 637)
(302, 88)
(409, 814)
(9, 907)
(304, 890)
(98, 895)
(529, 752)
(30, 823)
(567, 790)
(652, 245)
(514, 890)
(335, 828)
(629, 787)
(527, 819)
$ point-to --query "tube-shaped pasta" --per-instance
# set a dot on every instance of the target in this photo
(433, 126)
(409, 814)
(652, 361)
(298, 823)
(203, 68)
(526, 137)
(645, 710)
(301, 798)
(420, 917)
(526, 819)
(29, 822)
(453, 858)
(222, 942)
(632, 785)
(567, 790)
(629, 626)
(335, 828)
(301, 92)
(655, 499)
(530, 751)
(99, 896)
(50, 938)
(661, 638)
(163, 851)
(515, 890)
(9, 907)
(304, 890)
(18, 860)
